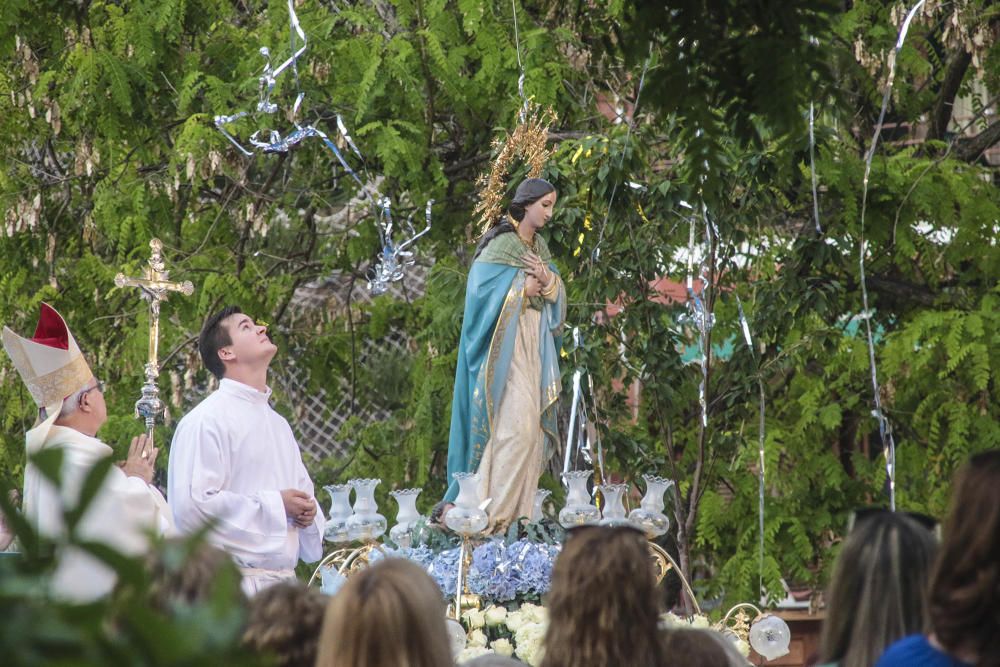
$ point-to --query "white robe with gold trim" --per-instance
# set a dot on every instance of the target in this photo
(123, 514)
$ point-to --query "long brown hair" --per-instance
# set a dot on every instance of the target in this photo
(603, 604)
(965, 586)
(390, 615)
(878, 593)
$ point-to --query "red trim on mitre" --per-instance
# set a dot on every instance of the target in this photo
(51, 330)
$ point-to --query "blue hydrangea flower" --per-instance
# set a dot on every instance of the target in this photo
(444, 570)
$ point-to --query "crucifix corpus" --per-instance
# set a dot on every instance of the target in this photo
(155, 286)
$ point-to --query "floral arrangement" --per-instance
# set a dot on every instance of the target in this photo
(513, 567)
(516, 633)
(520, 632)
(500, 572)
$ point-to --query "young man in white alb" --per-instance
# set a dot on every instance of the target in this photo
(235, 464)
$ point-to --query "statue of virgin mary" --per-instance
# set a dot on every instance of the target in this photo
(503, 415)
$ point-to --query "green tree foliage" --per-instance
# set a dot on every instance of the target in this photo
(106, 112)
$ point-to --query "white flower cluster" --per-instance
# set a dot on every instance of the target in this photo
(672, 620)
(525, 626)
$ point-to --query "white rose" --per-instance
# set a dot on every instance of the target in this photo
(471, 652)
(672, 620)
(502, 647)
(529, 635)
(476, 638)
(495, 615)
(530, 640)
(533, 656)
(474, 618)
(700, 621)
(535, 613)
(743, 648)
(515, 620)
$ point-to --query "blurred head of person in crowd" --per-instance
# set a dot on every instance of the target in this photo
(188, 572)
(389, 615)
(965, 585)
(878, 592)
(695, 647)
(604, 606)
(284, 623)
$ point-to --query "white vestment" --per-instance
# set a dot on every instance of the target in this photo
(231, 457)
(123, 514)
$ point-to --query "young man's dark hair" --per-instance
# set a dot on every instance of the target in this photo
(213, 337)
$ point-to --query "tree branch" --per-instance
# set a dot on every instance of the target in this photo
(970, 150)
(943, 107)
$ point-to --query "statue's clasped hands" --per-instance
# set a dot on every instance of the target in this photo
(535, 268)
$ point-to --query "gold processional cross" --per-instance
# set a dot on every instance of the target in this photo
(155, 286)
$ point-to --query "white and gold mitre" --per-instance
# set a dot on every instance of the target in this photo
(50, 362)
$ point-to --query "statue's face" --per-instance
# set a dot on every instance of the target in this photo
(538, 213)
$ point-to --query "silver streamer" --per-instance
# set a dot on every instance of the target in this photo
(595, 453)
(577, 434)
(525, 104)
(394, 256)
(812, 166)
(761, 489)
(575, 419)
(884, 427)
(271, 141)
(697, 313)
(812, 155)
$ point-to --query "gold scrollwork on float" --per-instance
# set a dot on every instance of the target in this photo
(346, 561)
(664, 562)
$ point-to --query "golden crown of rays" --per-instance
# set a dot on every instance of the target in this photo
(528, 141)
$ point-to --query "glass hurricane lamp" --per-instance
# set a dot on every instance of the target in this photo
(340, 512)
(406, 517)
(366, 524)
(466, 518)
(579, 510)
(649, 516)
(613, 513)
(537, 514)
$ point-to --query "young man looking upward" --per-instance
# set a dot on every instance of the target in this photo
(235, 464)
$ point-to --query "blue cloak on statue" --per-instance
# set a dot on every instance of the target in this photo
(494, 300)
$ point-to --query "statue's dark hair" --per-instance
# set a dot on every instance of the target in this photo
(528, 192)
(494, 231)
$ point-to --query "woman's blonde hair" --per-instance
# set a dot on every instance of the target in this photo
(390, 615)
(604, 606)
(878, 593)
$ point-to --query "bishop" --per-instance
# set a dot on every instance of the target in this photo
(71, 409)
